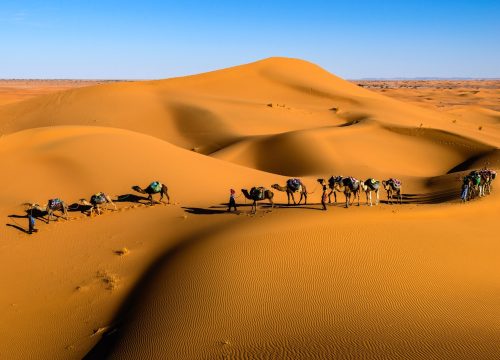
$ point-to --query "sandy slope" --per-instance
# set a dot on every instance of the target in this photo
(414, 281)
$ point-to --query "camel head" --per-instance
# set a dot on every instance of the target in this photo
(321, 181)
(276, 186)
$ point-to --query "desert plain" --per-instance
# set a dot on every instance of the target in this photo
(189, 280)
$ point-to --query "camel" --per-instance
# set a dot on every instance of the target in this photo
(369, 186)
(472, 187)
(96, 200)
(258, 194)
(487, 177)
(476, 184)
(52, 205)
(393, 186)
(492, 176)
(154, 188)
(292, 186)
(347, 185)
(331, 185)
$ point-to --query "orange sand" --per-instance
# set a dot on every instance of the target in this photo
(412, 281)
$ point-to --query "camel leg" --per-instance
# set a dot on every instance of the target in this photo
(347, 199)
(168, 197)
(377, 197)
(112, 203)
(329, 197)
(370, 197)
(305, 198)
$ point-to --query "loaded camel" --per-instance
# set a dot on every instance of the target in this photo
(258, 194)
(52, 205)
(96, 200)
(154, 188)
(347, 185)
(331, 185)
(292, 186)
(369, 186)
(393, 187)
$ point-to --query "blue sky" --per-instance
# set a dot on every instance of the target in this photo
(91, 39)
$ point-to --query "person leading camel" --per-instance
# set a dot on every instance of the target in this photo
(324, 195)
(232, 201)
(52, 205)
(258, 194)
(368, 186)
(393, 187)
(292, 186)
(154, 188)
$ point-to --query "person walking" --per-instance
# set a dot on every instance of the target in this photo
(324, 197)
(232, 201)
(31, 223)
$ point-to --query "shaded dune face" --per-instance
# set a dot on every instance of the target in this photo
(399, 282)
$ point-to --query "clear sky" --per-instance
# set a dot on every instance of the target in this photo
(108, 39)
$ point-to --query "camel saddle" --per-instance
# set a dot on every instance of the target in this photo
(98, 198)
(54, 202)
(396, 182)
(293, 184)
(155, 186)
(257, 193)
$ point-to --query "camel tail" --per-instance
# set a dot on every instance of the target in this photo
(138, 189)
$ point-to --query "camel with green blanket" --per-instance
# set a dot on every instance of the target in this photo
(96, 201)
(155, 187)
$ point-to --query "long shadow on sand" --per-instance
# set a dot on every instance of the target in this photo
(222, 208)
(111, 339)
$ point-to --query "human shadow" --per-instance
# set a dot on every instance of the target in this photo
(17, 227)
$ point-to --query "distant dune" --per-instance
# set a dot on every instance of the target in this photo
(411, 281)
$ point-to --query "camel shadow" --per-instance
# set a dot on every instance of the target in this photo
(202, 211)
(130, 198)
(76, 207)
(437, 197)
(215, 209)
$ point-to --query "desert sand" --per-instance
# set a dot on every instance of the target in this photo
(189, 280)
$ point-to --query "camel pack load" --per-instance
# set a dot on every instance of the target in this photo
(257, 192)
(396, 182)
(54, 202)
(155, 186)
(293, 184)
(98, 198)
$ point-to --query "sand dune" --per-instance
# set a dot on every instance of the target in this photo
(190, 280)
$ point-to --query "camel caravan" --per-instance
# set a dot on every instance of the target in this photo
(476, 184)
